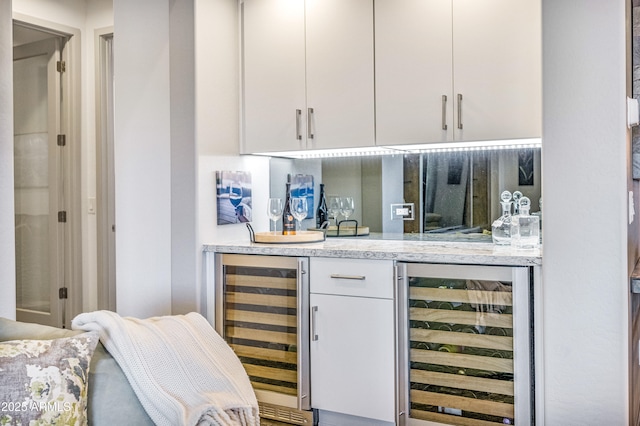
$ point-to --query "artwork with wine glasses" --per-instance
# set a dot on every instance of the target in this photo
(302, 187)
(233, 195)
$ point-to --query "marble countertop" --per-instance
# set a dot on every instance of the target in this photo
(459, 252)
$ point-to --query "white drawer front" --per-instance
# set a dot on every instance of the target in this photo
(352, 277)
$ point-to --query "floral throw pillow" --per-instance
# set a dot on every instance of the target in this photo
(44, 382)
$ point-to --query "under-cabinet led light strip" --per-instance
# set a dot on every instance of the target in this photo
(409, 149)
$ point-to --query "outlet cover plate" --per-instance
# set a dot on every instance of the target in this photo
(403, 211)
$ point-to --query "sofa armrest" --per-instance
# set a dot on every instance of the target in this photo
(111, 399)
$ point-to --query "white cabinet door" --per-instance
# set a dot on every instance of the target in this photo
(340, 86)
(352, 359)
(413, 71)
(273, 71)
(485, 52)
(307, 74)
(497, 68)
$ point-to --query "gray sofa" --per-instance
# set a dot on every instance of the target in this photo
(111, 401)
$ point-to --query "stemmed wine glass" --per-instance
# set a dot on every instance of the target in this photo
(299, 209)
(334, 207)
(346, 207)
(235, 195)
(274, 210)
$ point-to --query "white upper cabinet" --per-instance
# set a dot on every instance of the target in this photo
(458, 70)
(273, 68)
(497, 68)
(414, 71)
(307, 74)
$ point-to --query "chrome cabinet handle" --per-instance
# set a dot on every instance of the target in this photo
(459, 111)
(314, 334)
(348, 277)
(444, 112)
(309, 116)
(298, 116)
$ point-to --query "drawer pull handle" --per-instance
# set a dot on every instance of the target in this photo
(314, 333)
(348, 277)
(444, 112)
(309, 120)
(298, 115)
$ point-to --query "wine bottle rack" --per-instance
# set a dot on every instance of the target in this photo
(260, 320)
(461, 367)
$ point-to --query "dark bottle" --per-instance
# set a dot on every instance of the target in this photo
(322, 214)
(288, 221)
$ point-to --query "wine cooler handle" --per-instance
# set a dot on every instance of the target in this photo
(298, 117)
(444, 112)
(460, 111)
(309, 116)
(348, 277)
(314, 335)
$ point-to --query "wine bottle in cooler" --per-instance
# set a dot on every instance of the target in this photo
(322, 213)
(288, 221)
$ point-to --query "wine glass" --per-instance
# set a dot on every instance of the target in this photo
(299, 209)
(274, 210)
(346, 207)
(235, 194)
(334, 207)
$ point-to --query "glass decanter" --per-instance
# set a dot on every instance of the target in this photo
(501, 227)
(525, 228)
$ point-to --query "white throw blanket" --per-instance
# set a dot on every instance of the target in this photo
(182, 371)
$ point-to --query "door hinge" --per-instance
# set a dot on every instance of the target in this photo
(62, 293)
(61, 66)
(62, 140)
(62, 216)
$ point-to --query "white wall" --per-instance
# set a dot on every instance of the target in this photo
(217, 119)
(185, 247)
(585, 159)
(142, 147)
(7, 221)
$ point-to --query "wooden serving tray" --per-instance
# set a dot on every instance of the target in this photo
(278, 238)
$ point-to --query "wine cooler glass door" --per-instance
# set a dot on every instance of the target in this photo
(261, 311)
(464, 345)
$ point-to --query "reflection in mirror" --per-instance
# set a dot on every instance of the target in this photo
(461, 189)
(452, 193)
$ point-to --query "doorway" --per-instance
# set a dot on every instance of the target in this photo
(46, 163)
(105, 174)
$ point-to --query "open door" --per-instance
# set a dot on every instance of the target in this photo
(40, 183)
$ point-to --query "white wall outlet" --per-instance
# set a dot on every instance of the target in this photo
(403, 211)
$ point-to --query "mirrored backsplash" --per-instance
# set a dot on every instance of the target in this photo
(451, 195)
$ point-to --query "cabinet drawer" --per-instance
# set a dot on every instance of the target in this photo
(352, 277)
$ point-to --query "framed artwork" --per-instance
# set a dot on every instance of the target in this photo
(302, 186)
(525, 167)
(233, 196)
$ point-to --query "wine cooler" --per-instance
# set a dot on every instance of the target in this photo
(262, 306)
(464, 345)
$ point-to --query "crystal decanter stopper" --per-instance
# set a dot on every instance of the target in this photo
(517, 195)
